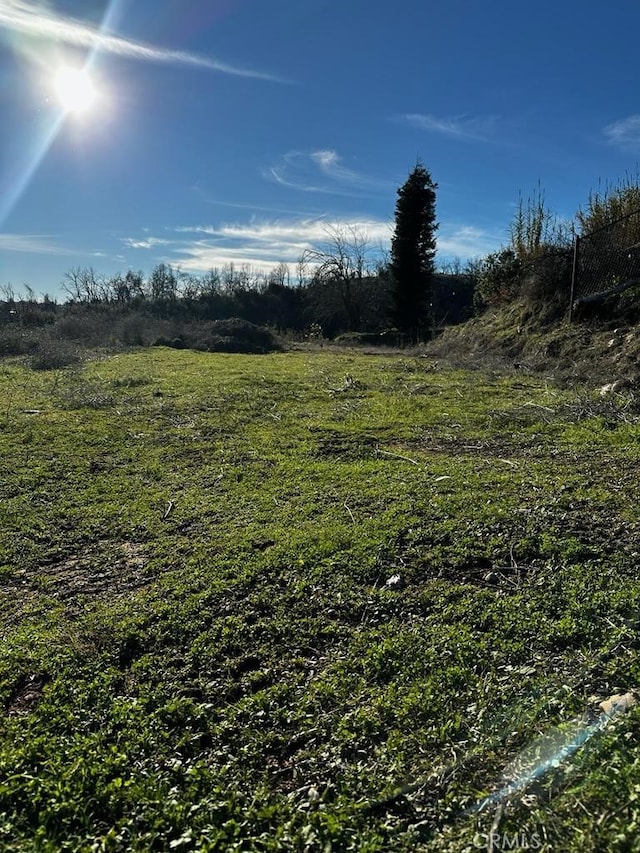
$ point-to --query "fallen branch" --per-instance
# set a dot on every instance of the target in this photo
(396, 455)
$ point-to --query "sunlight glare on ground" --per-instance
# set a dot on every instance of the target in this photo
(75, 89)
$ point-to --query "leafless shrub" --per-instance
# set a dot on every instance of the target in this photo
(15, 341)
(54, 354)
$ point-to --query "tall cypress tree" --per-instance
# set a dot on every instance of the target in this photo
(413, 249)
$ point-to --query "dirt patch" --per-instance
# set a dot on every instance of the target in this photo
(27, 695)
(345, 447)
(499, 450)
(105, 569)
(98, 572)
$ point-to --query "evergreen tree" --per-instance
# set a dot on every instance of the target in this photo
(413, 249)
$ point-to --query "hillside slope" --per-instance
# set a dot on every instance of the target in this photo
(517, 337)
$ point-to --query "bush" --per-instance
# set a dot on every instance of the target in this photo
(236, 335)
(36, 314)
(548, 278)
(174, 343)
(498, 279)
(132, 331)
(17, 342)
(233, 335)
(614, 204)
(54, 354)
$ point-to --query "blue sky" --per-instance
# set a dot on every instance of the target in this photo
(239, 130)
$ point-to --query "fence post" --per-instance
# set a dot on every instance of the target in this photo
(574, 274)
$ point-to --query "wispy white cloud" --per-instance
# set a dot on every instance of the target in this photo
(200, 257)
(264, 244)
(625, 133)
(323, 171)
(38, 244)
(34, 20)
(253, 208)
(467, 241)
(302, 232)
(148, 243)
(479, 128)
(261, 245)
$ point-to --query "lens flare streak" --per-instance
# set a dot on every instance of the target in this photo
(551, 750)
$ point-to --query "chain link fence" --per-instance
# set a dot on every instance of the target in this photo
(606, 261)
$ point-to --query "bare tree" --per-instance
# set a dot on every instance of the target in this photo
(8, 293)
(342, 262)
(83, 284)
(163, 282)
(452, 266)
(279, 276)
(190, 286)
(234, 279)
(211, 282)
(135, 284)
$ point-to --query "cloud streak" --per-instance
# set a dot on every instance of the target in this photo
(302, 232)
(323, 171)
(148, 243)
(38, 244)
(27, 18)
(262, 245)
(467, 241)
(459, 127)
(625, 133)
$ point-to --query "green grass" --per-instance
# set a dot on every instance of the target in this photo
(200, 650)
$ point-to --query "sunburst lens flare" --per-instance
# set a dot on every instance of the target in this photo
(75, 90)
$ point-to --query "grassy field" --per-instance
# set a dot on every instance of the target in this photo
(314, 601)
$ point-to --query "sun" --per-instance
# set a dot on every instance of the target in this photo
(75, 89)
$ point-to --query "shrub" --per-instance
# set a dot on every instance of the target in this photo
(388, 337)
(132, 331)
(174, 343)
(37, 314)
(613, 205)
(498, 279)
(236, 335)
(89, 328)
(54, 354)
(548, 279)
(535, 231)
(537, 264)
(17, 342)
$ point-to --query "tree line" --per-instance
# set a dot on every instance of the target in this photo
(343, 285)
